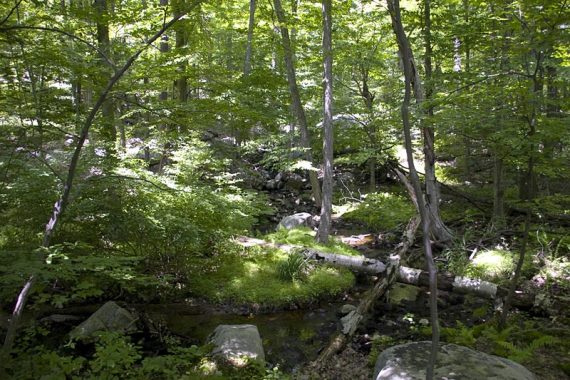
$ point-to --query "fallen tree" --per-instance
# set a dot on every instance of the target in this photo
(407, 275)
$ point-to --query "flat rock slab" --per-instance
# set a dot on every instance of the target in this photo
(237, 343)
(109, 317)
(409, 362)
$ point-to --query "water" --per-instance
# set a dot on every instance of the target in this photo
(290, 338)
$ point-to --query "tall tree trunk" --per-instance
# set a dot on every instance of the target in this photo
(181, 42)
(61, 204)
(248, 49)
(438, 228)
(498, 192)
(328, 132)
(109, 131)
(163, 97)
(296, 103)
(411, 77)
(528, 185)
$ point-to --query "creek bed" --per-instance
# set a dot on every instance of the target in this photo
(290, 338)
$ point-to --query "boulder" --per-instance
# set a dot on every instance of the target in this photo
(409, 362)
(295, 182)
(109, 317)
(293, 221)
(400, 293)
(236, 344)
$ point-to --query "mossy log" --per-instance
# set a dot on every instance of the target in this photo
(407, 275)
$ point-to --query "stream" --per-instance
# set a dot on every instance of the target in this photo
(290, 338)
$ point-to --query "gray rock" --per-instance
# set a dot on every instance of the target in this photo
(403, 292)
(295, 182)
(109, 317)
(235, 344)
(296, 220)
(345, 309)
(409, 361)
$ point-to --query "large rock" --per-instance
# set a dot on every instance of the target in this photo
(296, 220)
(409, 362)
(236, 344)
(109, 317)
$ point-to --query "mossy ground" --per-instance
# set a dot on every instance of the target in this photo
(250, 275)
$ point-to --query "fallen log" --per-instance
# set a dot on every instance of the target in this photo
(357, 263)
(407, 275)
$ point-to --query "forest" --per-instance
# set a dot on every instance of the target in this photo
(285, 189)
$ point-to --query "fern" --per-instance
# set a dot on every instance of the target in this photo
(461, 335)
(523, 353)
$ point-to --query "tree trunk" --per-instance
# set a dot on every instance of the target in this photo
(181, 42)
(251, 25)
(372, 174)
(411, 77)
(328, 134)
(108, 131)
(517, 275)
(163, 97)
(498, 192)
(438, 229)
(296, 103)
(529, 185)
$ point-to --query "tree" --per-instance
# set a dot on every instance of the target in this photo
(438, 228)
(250, 27)
(326, 208)
(296, 103)
(411, 79)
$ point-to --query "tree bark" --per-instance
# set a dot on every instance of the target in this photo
(328, 133)
(517, 275)
(498, 192)
(411, 77)
(437, 227)
(109, 130)
(296, 103)
(164, 47)
(61, 204)
(181, 43)
(248, 49)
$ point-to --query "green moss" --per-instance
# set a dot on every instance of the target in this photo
(306, 237)
(252, 277)
(382, 211)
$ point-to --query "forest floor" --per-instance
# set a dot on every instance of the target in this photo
(465, 320)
